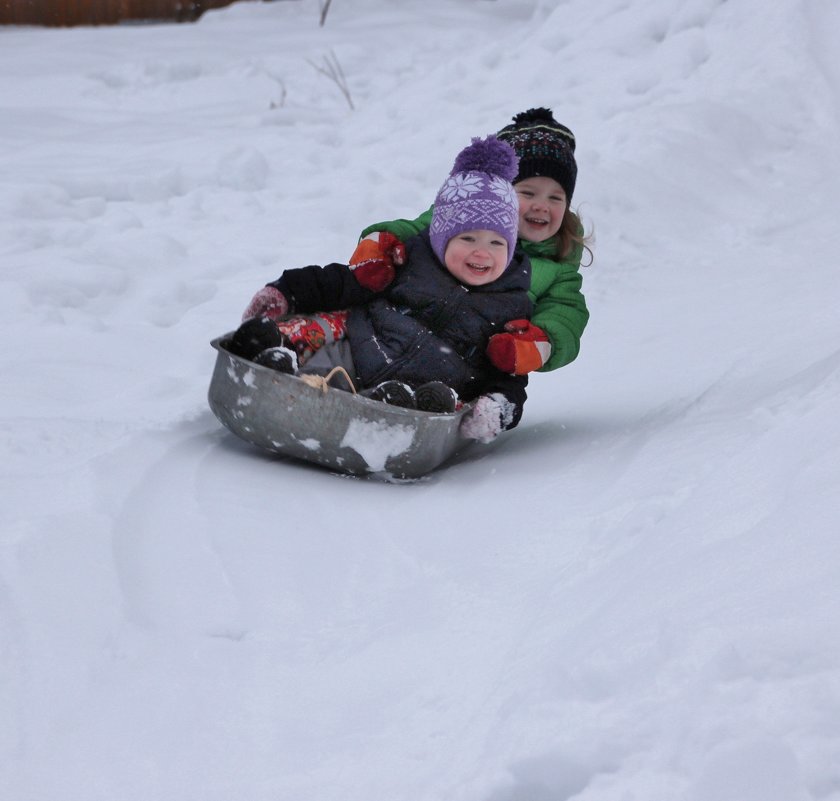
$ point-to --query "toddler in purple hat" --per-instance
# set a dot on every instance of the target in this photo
(419, 339)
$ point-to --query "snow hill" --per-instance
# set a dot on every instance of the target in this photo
(632, 597)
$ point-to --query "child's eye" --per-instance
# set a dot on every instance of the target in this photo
(497, 243)
(526, 192)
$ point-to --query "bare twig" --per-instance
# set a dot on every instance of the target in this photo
(332, 69)
(282, 102)
(325, 7)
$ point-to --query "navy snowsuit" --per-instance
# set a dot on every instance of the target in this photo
(424, 326)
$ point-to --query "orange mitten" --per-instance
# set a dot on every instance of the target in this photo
(374, 259)
(522, 349)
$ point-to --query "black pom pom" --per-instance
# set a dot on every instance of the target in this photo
(535, 115)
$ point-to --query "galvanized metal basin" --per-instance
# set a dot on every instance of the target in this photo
(339, 430)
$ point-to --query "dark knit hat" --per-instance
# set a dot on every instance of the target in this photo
(478, 195)
(544, 146)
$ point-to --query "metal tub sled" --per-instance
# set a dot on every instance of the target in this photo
(336, 429)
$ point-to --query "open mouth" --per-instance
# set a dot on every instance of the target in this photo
(536, 221)
(478, 268)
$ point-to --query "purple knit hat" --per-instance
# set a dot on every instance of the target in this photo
(478, 195)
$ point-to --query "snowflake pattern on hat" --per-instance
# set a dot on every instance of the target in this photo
(461, 186)
(503, 189)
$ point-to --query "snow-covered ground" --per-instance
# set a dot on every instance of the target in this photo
(632, 597)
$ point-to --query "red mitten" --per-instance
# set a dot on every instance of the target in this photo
(268, 302)
(487, 418)
(374, 259)
(521, 350)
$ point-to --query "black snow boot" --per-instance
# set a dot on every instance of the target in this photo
(436, 397)
(256, 335)
(281, 358)
(395, 393)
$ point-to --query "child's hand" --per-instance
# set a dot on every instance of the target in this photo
(374, 259)
(524, 348)
(484, 421)
(268, 302)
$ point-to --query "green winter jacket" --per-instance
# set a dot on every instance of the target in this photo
(559, 306)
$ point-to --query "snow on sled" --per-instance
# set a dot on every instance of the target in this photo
(337, 429)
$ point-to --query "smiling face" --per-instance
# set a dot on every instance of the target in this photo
(542, 205)
(476, 258)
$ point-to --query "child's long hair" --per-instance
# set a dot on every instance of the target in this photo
(570, 235)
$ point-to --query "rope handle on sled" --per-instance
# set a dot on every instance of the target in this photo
(322, 382)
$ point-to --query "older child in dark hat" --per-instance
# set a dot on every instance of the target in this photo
(425, 332)
(549, 232)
